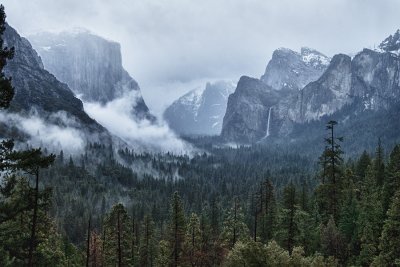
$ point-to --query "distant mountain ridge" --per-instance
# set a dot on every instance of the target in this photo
(37, 89)
(369, 81)
(91, 66)
(200, 111)
(292, 70)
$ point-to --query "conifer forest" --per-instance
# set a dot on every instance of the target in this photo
(303, 171)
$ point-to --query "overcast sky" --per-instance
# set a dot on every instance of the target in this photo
(173, 46)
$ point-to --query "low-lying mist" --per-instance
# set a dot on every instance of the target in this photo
(117, 117)
(65, 135)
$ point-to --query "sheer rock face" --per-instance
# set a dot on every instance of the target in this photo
(247, 113)
(200, 111)
(36, 88)
(369, 81)
(292, 70)
(90, 65)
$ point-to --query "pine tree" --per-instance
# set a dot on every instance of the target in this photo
(332, 240)
(117, 240)
(362, 165)
(148, 243)
(177, 229)
(6, 89)
(268, 216)
(234, 228)
(331, 161)
(287, 227)
(349, 213)
(193, 242)
(389, 241)
(392, 177)
(379, 165)
(32, 161)
(370, 219)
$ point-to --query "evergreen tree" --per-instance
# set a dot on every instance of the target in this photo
(234, 227)
(117, 239)
(6, 89)
(392, 177)
(193, 242)
(287, 227)
(148, 243)
(389, 241)
(331, 240)
(362, 165)
(349, 213)
(31, 161)
(370, 219)
(268, 215)
(379, 165)
(331, 161)
(177, 229)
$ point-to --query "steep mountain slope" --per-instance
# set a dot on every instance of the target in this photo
(367, 83)
(36, 89)
(91, 66)
(253, 112)
(200, 111)
(293, 70)
(249, 110)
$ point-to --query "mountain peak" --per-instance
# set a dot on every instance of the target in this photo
(201, 110)
(391, 43)
(314, 58)
(293, 70)
(91, 66)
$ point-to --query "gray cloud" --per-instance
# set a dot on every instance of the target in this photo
(168, 45)
(44, 134)
(143, 135)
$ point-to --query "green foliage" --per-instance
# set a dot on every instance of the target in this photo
(6, 89)
(256, 254)
(148, 246)
(118, 237)
(389, 241)
(177, 230)
(331, 176)
(370, 219)
(392, 177)
(234, 227)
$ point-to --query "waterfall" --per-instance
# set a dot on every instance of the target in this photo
(268, 123)
(269, 120)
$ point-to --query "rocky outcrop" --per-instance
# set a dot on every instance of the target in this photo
(370, 81)
(36, 88)
(200, 111)
(292, 70)
(248, 111)
(90, 65)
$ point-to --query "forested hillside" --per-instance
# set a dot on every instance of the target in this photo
(314, 203)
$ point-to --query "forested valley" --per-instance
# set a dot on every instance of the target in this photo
(259, 205)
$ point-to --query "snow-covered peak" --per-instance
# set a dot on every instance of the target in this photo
(391, 44)
(193, 98)
(313, 57)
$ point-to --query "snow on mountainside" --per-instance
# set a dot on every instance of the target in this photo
(391, 43)
(293, 70)
(201, 110)
(370, 81)
(90, 65)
